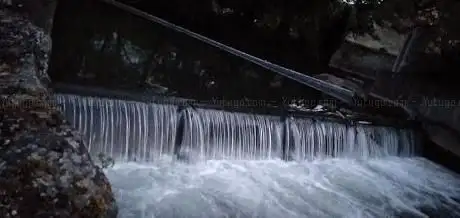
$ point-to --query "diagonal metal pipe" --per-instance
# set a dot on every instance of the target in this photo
(333, 90)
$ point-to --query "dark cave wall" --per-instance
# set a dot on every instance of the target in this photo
(297, 34)
(100, 45)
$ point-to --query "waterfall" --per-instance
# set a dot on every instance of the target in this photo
(219, 134)
(122, 129)
(140, 131)
(313, 139)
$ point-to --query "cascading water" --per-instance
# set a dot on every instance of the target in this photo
(312, 140)
(218, 134)
(338, 170)
(124, 130)
(138, 131)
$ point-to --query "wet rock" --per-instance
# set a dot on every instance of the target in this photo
(412, 75)
(45, 169)
(382, 38)
(362, 61)
(105, 161)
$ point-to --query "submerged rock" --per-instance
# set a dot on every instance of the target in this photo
(45, 168)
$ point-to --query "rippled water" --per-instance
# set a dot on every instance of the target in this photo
(387, 187)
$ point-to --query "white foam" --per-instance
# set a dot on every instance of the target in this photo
(324, 188)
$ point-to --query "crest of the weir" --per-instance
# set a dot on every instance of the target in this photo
(139, 131)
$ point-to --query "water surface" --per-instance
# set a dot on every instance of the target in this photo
(387, 187)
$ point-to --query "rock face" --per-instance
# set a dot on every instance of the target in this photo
(361, 60)
(415, 75)
(45, 169)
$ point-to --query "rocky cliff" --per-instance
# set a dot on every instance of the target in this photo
(411, 52)
(45, 169)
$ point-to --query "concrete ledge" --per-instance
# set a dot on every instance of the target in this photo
(234, 106)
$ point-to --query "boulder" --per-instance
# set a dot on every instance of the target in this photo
(359, 60)
(45, 168)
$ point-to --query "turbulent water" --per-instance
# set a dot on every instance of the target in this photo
(230, 164)
(388, 187)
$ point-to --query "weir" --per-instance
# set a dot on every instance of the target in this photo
(138, 131)
(254, 156)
